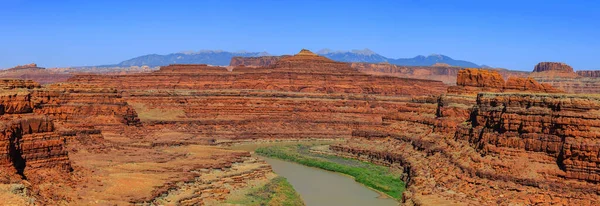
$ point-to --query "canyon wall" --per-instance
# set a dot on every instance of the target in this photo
(158, 130)
(522, 147)
(31, 142)
(564, 127)
(303, 96)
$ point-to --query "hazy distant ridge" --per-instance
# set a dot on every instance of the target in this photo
(222, 58)
(367, 55)
(203, 57)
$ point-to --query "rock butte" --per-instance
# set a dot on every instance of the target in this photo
(486, 141)
(562, 76)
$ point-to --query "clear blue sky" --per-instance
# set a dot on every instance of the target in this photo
(510, 34)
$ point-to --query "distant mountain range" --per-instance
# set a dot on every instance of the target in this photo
(217, 57)
(369, 56)
(211, 57)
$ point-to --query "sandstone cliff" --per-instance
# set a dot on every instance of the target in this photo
(533, 148)
(561, 126)
(471, 81)
(29, 143)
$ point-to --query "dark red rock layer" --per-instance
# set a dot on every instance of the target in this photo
(553, 66)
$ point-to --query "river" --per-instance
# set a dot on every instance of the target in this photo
(320, 187)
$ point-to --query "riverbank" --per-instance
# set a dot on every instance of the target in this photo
(277, 191)
(380, 178)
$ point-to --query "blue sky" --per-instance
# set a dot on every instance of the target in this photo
(509, 34)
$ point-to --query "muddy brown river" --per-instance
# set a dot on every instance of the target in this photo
(320, 187)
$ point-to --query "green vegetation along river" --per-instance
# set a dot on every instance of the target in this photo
(326, 179)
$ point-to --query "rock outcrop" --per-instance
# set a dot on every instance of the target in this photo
(529, 84)
(26, 66)
(553, 67)
(561, 126)
(479, 78)
(80, 102)
(30, 143)
(561, 76)
(472, 81)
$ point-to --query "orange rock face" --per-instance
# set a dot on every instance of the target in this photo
(563, 127)
(529, 84)
(30, 143)
(471, 81)
(479, 78)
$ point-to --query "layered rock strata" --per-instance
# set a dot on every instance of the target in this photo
(183, 106)
(31, 142)
(563, 127)
(464, 146)
(562, 76)
(438, 72)
(477, 80)
(558, 67)
(493, 148)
